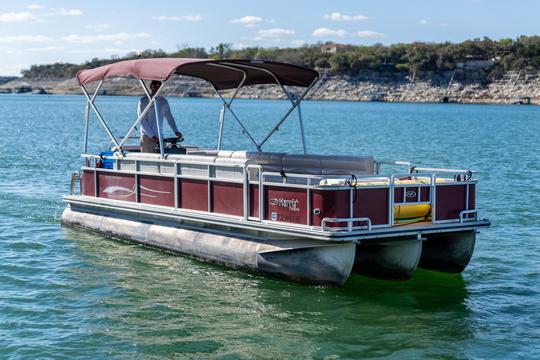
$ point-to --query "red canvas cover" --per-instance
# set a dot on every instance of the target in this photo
(223, 74)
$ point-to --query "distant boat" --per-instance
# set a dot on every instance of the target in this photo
(22, 89)
(522, 100)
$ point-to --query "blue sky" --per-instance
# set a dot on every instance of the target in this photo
(38, 32)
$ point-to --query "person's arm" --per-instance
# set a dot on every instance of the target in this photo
(167, 114)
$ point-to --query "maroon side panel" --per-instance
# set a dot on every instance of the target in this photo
(285, 204)
(425, 194)
(373, 204)
(156, 190)
(254, 200)
(472, 196)
(88, 187)
(194, 195)
(227, 198)
(332, 204)
(398, 195)
(450, 201)
(116, 186)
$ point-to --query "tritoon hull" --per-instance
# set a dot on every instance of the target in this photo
(304, 260)
(293, 258)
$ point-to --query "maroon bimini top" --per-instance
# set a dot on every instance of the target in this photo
(223, 74)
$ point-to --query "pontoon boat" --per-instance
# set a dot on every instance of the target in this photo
(306, 217)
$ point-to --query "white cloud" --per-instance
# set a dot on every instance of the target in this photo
(178, 18)
(274, 33)
(35, 7)
(369, 34)
(298, 42)
(423, 22)
(18, 17)
(119, 50)
(98, 27)
(337, 16)
(13, 70)
(24, 39)
(325, 32)
(66, 12)
(45, 49)
(248, 21)
(118, 37)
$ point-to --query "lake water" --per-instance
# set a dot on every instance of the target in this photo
(66, 293)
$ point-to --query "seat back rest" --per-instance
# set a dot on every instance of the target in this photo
(203, 152)
(302, 164)
(346, 165)
(142, 156)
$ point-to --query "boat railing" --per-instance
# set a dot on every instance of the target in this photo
(350, 224)
(254, 174)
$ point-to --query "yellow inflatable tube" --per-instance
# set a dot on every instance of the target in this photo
(411, 212)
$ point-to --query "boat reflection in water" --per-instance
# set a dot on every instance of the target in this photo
(305, 217)
(161, 304)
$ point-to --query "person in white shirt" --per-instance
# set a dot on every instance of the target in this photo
(149, 128)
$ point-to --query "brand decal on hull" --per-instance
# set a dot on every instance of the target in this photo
(291, 204)
(410, 194)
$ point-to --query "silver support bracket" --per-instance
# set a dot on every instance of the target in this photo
(90, 102)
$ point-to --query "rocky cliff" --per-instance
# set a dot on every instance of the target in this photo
(369, 86)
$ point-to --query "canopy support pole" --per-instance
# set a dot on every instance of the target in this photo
(159, 128)
(295, 103)
(304, 147)
(143, 113)
(289, 96)
(96, 111)
(87, 116)
(221, 121)
(244, 129)
(86, 127)
(227, 105)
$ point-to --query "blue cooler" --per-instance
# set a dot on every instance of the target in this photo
(107, 163)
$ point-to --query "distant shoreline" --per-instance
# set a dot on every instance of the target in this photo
(365, 88)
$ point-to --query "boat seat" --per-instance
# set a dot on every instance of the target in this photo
(142, 156)
(203, 152)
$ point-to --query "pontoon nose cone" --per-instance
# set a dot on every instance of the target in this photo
(448, 252)
(388, 260)
(325, 264)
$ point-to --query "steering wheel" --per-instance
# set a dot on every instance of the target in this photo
(173, 141)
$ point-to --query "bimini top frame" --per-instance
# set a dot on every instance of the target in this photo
(221, 74)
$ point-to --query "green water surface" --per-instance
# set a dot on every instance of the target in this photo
(71, 294)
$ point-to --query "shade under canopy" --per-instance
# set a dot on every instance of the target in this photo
(223, 74)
